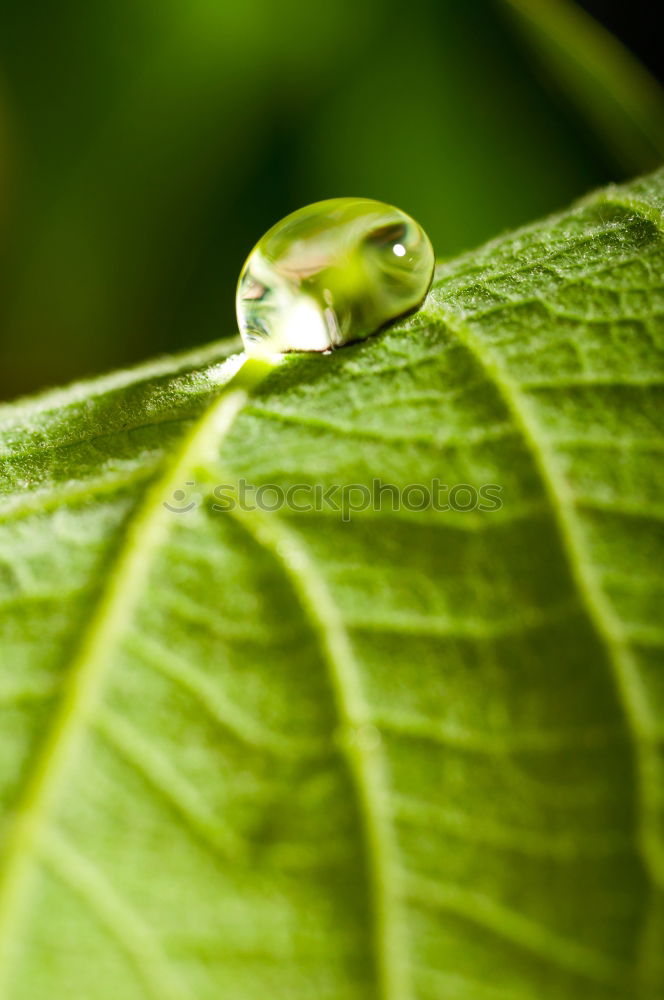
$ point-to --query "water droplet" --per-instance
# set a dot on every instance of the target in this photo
(331, 273)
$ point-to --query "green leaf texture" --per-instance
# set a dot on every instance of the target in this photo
(412, 756)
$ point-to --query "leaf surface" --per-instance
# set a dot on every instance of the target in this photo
(413, 754)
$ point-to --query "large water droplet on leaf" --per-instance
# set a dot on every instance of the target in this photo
(333, 272)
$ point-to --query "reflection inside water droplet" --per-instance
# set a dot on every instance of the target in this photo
(334, 272)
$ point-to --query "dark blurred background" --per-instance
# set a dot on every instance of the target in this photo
(146, 144)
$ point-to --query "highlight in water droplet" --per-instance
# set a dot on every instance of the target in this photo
(331, 273)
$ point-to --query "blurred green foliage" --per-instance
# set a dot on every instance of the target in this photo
(147, 144)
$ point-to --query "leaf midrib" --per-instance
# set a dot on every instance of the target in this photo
(84, 687)
(86, 675)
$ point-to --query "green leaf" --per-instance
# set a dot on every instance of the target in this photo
(415, 754)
